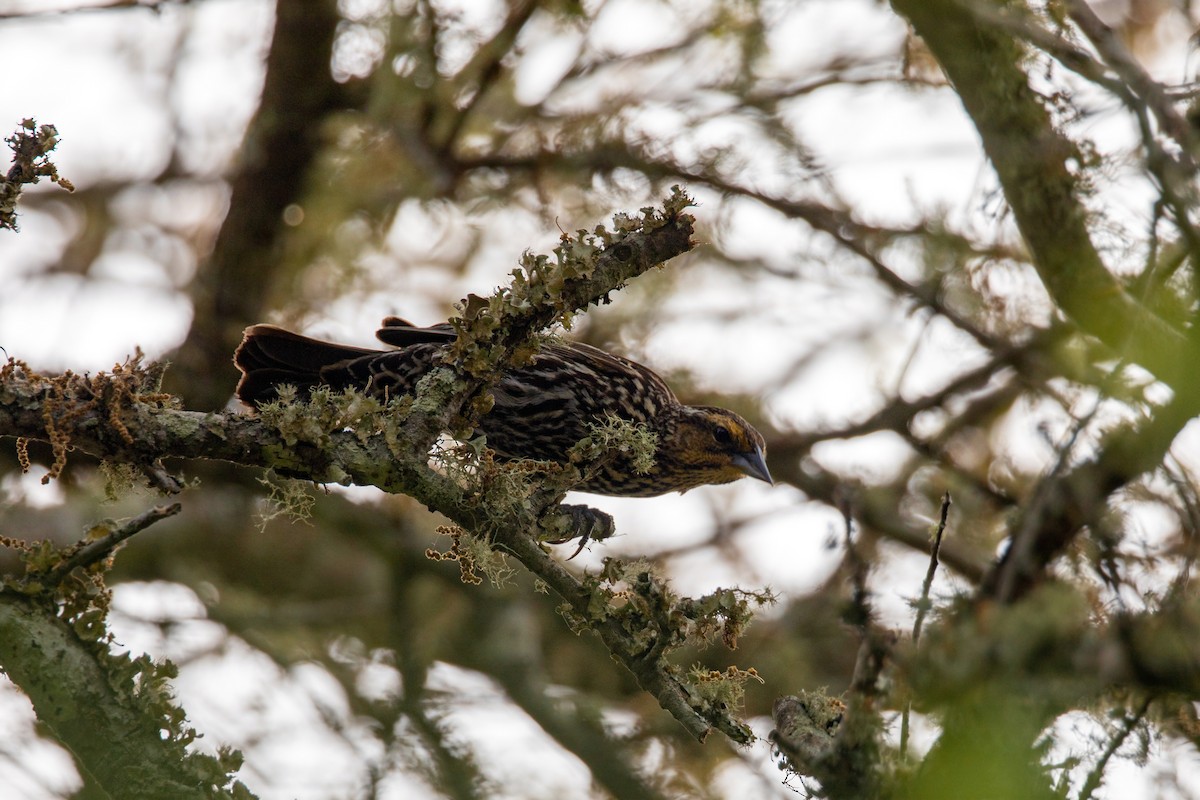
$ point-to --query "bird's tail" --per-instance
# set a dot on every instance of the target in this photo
(270, 356)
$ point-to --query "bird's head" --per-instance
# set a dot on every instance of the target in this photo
(706, 444)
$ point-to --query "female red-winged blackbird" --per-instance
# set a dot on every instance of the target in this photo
(541, 409)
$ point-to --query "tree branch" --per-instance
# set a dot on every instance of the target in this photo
(100, 548)
(1034, 163)
(31, 146)
(114, 417)
(119, 747)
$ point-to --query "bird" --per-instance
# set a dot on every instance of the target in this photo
(541, 409)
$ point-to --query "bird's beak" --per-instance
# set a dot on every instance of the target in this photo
(754, 464)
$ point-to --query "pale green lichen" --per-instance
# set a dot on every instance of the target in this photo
(120, 480)
(726, 690)
(325, 410)
(612, 436)
(434, 391)
(544, 292)
(633, 593)
(498, 489)
(82, 601)
(286, 498)
(658, 622)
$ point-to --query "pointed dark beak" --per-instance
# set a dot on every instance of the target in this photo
(754, 464)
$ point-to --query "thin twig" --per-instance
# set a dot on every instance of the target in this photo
(1174, 169)
(876, 643)
(1017, 565)
(1023, 25)
(860, 613)
(1095, 777)
(1150, 91)
(923, 608)
(112, 5)
(94, 551)
(923, 603)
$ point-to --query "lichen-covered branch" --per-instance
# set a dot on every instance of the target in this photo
(996, 680)
(121, 750)
(102, 547)
(113, 712)
(352, 439)
(1077, 496)
(31, 146)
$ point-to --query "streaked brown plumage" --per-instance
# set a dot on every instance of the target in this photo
(541, 409)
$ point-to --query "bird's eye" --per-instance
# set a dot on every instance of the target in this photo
(723, 436)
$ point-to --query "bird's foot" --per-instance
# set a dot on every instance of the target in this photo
(585, 523)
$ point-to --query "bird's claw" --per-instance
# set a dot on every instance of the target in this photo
(588, 524)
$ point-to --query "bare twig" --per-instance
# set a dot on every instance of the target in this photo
(1151, 92)
(876, 511)
(99, 549)
(158, 476)
(1033, 162)
(111, 5)
(1096, 776)
(923, 607)
(837, 741)
(1022, 24)
(923, 603)
(1045, 495)
(1174, 169)
(876, 642)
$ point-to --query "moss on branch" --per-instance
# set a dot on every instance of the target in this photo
(115, 713)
